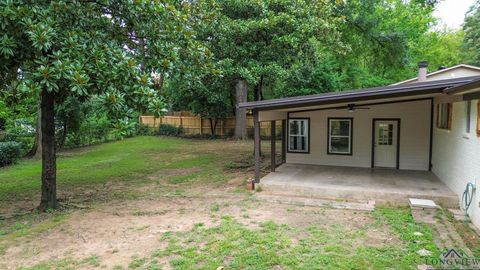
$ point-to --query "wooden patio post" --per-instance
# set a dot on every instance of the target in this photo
(284, 141)
(273, 141)
(256, 131)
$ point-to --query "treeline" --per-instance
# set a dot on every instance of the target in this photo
(270, 49)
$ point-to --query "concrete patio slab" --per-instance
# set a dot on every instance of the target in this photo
(347, 183)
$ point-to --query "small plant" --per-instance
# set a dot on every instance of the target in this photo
(170, 130)
(215, 207)
(144, 130)
(10, 152)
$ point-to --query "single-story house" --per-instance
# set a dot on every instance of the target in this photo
(417, 131)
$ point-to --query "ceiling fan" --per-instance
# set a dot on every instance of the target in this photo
(352, 107)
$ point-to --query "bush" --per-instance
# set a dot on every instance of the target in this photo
(10, 152)
(144, 130)
(169, 130)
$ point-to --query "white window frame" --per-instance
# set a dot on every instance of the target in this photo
(444, 111)
(306, 135)
(468, 116)
(330, 136)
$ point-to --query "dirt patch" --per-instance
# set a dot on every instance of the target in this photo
(119, 231)
(173, 172)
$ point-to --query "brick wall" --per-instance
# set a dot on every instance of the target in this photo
(456, 155)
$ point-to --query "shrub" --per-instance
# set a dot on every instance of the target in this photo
(169, 130)
(10, 152)
(144, 130)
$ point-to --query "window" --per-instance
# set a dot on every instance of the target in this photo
(298, 135)
(385, 134)
(444, 115)
(468, 115)
(340, 136)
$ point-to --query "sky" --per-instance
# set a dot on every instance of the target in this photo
(452, 12)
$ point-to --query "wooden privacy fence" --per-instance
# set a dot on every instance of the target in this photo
(195, 125)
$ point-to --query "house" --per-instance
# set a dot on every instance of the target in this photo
(419, 137)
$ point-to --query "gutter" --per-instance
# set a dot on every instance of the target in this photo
(365, 94)
(462, 88)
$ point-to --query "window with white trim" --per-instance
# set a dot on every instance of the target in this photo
(340, 136)
(468, 115)
(444, 115)
(298, 135)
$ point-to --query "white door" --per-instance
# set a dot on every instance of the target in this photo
(385, 143)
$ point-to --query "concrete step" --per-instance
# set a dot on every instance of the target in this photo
(380, 196)
(303, 201)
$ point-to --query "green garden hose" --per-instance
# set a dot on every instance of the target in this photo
(467, 198)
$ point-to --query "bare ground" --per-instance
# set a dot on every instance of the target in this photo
(118, 231)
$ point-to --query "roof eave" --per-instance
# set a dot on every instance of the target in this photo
(462, 88)
(360, 95)
(346, 99)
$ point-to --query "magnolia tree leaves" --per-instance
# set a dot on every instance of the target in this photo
(104, 49)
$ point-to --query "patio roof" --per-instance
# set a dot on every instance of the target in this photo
(464, 87)
(391, 91)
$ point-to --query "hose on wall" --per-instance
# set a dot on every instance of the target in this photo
(467, 197)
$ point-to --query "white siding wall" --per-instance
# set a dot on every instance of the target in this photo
(456, 155)
(414, 137)
(455, 73)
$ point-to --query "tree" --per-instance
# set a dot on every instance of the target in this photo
(158, 108)
(209, 97)
(83, 49)
(255, 41)
(471, 41)
(69, 116)
(440, 48)
(384, 39)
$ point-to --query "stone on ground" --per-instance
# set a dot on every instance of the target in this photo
(422, 203)
(423, 252)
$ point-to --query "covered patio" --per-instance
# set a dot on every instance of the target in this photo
(366, 144)
(348, 183)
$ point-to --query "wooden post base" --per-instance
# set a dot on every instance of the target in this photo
(250, 186)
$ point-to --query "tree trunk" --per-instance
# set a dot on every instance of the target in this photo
(36, 150)
(240, 114)
(213, 126)
(49, 170)
(258, 90)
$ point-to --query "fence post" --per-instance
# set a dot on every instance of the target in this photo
(201, 125)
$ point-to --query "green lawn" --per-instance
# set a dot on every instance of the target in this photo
(127, 160)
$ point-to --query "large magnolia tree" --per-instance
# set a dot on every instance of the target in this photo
(102, 48)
